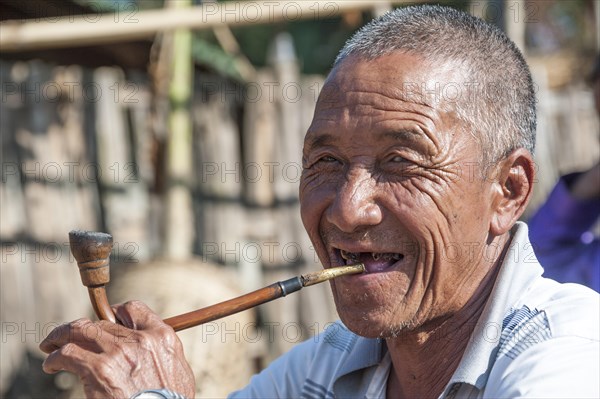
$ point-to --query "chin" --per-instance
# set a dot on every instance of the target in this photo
(374, 329)
(374, 324)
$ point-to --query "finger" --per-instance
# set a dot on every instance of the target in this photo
(51, 342)
(72, 358)
(82, 332)
(101, 377)
(137, 315)
(61, 335)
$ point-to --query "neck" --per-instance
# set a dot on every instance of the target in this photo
(423, 360)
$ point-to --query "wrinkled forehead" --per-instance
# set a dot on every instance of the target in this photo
(407, 77)
(401, 95)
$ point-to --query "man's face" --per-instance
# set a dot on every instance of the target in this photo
(391, 179)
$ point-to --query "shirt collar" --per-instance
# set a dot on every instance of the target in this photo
(519, 268)
(366, 354)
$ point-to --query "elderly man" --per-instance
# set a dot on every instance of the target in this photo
(417, 163)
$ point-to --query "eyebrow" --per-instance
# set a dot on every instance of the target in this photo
(402, 135)
(397, 135)
(319, 141)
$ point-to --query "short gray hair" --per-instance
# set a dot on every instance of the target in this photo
(502, 111)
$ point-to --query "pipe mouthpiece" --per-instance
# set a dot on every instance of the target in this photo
(333, 272)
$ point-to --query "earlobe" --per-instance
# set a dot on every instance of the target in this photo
(514, 187)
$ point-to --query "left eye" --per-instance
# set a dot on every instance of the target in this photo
(399, 165)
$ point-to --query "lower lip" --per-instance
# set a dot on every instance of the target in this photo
(378, 267)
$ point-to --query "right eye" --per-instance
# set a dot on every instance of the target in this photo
(327, 158)
(323, 162)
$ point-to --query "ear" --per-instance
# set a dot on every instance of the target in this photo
(512, 190)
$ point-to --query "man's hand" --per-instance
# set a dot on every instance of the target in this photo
(116, 361)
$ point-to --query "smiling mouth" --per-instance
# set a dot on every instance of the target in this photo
(374, 261)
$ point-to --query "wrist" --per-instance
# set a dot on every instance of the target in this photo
(157, 394)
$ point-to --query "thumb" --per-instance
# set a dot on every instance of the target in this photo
(137, 316)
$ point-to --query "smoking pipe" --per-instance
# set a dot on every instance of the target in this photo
(92, 252)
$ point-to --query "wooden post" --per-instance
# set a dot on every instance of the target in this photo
(597, 19)
(478, 7)
(124, 195)
(515, 17)
(288, 96)
(260, 138)
(179, 216)
(220, 217)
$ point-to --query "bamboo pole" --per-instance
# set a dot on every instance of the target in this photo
(597, 20)
(515, 16)
(179, 227)
(133, 24)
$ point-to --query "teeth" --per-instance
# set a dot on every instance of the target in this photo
(351, 256)
(387, 256)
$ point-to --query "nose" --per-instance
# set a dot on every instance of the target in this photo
(354, 205)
